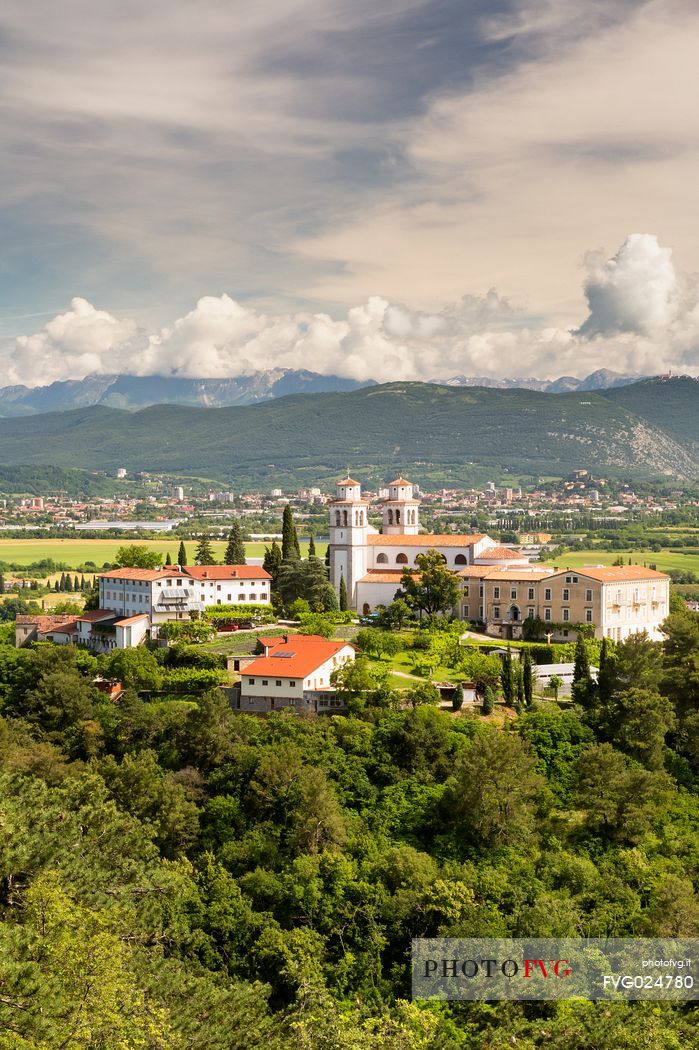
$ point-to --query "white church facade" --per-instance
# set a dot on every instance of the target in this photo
(499, 588)
(372, 562)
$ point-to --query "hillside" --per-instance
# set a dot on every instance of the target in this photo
(670, 403)
(438, 433)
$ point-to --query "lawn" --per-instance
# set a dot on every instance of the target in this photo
(74, 552)
(665, 559)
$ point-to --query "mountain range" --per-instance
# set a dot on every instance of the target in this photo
(438, 434)
(136, 392)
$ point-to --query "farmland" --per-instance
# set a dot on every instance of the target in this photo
(665, 560)
(75, 552)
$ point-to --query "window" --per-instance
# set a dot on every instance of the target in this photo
(571, 579)
(278, 683)
(530, 613)
(402, 559)
(588, 616)
(292, 683)
(218, 601)
(513, 592)
(547, 595)
(566, 615)
(530, 594)
(253, 597)
(465, 592)
(480, 612)
(566, 595)
(265, 682)
(460, 559)
(218, 586)
(382, 559)
(496, 612)
(496, 592)
(251, 681)
(547, 614)
(588, 594)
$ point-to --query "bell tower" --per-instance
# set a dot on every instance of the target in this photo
(349, 525)
(401, 511)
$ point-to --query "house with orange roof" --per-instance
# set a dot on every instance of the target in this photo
(294, 672)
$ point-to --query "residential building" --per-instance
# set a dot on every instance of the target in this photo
(294, 671)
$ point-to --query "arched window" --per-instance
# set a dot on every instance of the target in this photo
(460, 559)
(402, 559)
(382, 559)
(514, 614)
(344, 517)
(397, 517)
(337, 517)
(366, 609)
(390, 517)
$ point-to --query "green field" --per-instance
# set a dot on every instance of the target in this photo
(664, 560)
(75, 552)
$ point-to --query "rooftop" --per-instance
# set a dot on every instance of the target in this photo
(295, 656)
(423, 540)
(226, 572)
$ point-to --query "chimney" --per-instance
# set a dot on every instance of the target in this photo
(555, 568)
(205, 574)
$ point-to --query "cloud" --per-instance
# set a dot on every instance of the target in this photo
(643, 318)
(635, 291)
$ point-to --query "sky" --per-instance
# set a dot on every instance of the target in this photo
(410, 189)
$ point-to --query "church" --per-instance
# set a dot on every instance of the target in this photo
(371, 562)
(498, 588)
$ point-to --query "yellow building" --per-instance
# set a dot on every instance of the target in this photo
(616, 601)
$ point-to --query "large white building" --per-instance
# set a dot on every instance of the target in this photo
(372, 562)
(499, 587)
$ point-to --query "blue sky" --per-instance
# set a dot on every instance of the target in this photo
(312, 157)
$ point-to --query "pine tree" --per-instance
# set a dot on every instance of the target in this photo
(82, 582)
(56, 585)
(204, 554)
(311, 546)
(272, 561)
(168, 559)
(343, 594)
(76, 583)
(519, 687)
(605, 677)
(182, 554)
(488, 701)
(2, 583)
(290, 541)
(507, 679)
(62, 586)
(528, 674)
(235, 551)
(69, 583)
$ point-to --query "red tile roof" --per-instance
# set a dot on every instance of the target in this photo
(387, 576)
(347, 481)
(308, 652)
(499, 554)
(423, 540)
(400, 481)
(141, 574)
(94, 615)
(131, 619)
(226, 572)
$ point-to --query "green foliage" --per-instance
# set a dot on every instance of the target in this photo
(343, 601)
(434, 590)
(136, 556)
(290, 541)
(235, 550)
(182, 554)
(204, 554)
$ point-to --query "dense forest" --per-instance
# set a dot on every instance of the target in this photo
(179, 875)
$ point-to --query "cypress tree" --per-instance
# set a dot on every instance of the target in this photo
(168, 559)
(519, 686)
(290, 541)
(82, 582)
(605, 678)
(343, 594)
(488, 701)
(63, 582)
(235, 551)
(271, 562)
(204, 554)
(528, 673)
(311, 546)
(2, 583)
(182, 554)
(581, 671)
(68, 583)
(56, 585)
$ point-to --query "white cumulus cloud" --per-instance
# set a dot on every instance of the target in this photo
(643, 318)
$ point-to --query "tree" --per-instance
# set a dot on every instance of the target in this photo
(528, 677)
(204, 554)
(488, 701)
(434, 589)
(235, 551)
(581, 669)
(137, 556)
(508, 680)
(395, 615)
(136, 668)
(556, 683)
(311, 546)
(605, 676)
(290, 541)
(621, 799)
(458, 701)
(343, 594)
(638, 723)
(491, 796)
(182, 554)
(424, 693)
(168, 558)
(271, 563)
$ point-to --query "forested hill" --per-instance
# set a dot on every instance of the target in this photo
(436, 433)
